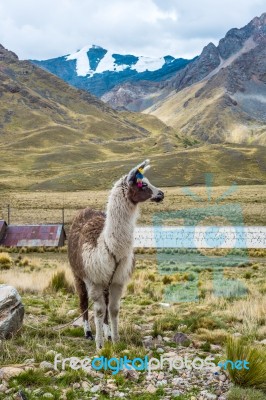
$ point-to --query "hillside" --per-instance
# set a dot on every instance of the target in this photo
(47, 125)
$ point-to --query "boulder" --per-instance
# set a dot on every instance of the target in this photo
(9, 372)
(11, 311)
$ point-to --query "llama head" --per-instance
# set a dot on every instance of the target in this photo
(140, 189)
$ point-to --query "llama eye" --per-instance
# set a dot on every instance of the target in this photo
(144, 185)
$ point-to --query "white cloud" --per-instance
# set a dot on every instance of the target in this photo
(48, 28)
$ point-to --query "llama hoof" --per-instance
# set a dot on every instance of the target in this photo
(89, 335)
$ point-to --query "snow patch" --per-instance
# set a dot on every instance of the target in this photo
(148, 64)
(107, 63)
(83, 64)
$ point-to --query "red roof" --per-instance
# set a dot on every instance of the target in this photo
(32, 235)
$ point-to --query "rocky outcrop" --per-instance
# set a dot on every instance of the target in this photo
(11, 311)
(6, 55)
(246, 38)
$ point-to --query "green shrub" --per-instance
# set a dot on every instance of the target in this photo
(206, 346)
(254, 377)
(167, 279)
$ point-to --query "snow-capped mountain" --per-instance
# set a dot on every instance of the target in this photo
(98, 70)
(93, 59)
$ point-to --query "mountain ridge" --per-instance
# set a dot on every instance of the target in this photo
(219, 99)
(98, 70)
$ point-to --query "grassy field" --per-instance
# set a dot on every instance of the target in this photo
(208, 323)
(65, 167)
(208, 311)
(44, 207)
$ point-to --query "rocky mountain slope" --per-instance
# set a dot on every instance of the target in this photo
(219, 97)
(98, 70)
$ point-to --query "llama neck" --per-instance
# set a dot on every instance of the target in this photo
(120, 222)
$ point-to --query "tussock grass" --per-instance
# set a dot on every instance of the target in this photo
(215, 336)
(237, 393)
(250, 312)
(59, 282)
(236, 349)
(5, 261)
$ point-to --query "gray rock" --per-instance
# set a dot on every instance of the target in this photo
(85, 386)
(48, 395)
(95, 388)
(222, 378)
(3, 387)
(160, 350)
(46, 365)
(176, 393)
(181, 338)
(147, 342)
(76, 385)
(210, 396)
(178, 381)
(130, 374)
(29, 361)
(11, 311)
(162, 382)
(9, 372)
(150, 388)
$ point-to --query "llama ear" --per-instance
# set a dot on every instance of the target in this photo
(141, 168)
(144, 165)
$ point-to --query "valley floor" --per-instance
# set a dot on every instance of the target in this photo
(46, 207)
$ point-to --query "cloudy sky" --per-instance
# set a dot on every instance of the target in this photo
(41, 29)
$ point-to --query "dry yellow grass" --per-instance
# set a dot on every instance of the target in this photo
(35, 281)
(250, 312)
(45, 207)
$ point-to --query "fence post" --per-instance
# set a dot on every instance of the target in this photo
(8, 214)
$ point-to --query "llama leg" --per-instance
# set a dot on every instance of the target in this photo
(99, 313)
(107, 332)
(106, 328)
(84, 301)
(114, 305)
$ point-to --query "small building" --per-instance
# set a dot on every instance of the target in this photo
(51, 235)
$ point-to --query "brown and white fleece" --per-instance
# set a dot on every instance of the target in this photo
(101, 244)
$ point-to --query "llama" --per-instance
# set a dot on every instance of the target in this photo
(100, 251)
